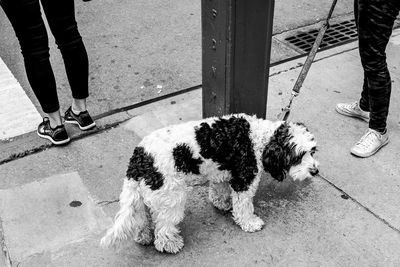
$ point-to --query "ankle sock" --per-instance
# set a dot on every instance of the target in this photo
(380, 132)
(57, 126)
(76, 113)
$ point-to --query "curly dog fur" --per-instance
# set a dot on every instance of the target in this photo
(231, 151)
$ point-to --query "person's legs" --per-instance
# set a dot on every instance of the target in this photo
(61, 18)
(364, 100)
(375, 23)
(374, 19)
(358, 109)
(26, 19)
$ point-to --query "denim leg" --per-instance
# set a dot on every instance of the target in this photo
(26, 19)
(61, 18)
(375, 19)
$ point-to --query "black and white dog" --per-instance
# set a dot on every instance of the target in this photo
(231, 151)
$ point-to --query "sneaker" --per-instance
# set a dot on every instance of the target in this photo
(57, 136)
(370, 143)
(83, 119)
(352, 110)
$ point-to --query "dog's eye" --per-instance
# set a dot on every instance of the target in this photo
(297, 159)
(313, 150)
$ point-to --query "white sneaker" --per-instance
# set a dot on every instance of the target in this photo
(352, 110)
(369, 143)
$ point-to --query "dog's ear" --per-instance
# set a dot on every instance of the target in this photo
(276, 154)
(274, 160)
(301, 124)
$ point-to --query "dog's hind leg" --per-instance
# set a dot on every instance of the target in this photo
(167, 210)
(220, 195)
(131, 219)
(243, 209)
(144, 235)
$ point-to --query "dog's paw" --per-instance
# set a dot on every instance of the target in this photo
(252, 225)
(223, 205)
(172, 245)
(144, 237)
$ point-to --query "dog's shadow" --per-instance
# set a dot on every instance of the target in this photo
(203, 221)
(274, 196)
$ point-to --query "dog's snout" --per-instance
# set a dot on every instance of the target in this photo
(314, 171)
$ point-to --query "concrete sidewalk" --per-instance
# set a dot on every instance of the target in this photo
(57, 202)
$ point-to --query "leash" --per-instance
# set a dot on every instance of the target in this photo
(310, 58)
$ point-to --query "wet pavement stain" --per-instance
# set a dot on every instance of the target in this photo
(75, 203)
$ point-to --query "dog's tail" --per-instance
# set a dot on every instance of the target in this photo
(131, 217)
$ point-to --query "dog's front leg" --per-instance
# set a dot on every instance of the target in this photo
(243, 209)
(220, 195)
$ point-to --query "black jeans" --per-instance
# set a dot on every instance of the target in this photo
(26, 19)
(375, 19)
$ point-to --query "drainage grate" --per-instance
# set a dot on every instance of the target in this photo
(336, 34)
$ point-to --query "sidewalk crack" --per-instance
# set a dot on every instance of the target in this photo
(107, 202)
(347, 196)
(301, 64)
(3, 247)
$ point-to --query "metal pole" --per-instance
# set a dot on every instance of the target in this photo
(236, 46)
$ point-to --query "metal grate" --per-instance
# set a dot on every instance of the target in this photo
(336, 34)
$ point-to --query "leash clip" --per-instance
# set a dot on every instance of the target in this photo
(294, 94)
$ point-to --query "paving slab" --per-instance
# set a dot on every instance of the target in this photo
(17, 113)
(176, 110)
(45, 215)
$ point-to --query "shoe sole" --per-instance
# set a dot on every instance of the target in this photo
(85, 128)
(351, 115)
(371, 153)
(53, 141)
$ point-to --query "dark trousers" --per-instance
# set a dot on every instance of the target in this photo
(375, 19)
(26, 19)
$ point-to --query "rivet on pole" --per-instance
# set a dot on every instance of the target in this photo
(213, 97)
(214, 13)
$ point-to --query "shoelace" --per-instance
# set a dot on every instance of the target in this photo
(352, 106)
(368, 139)
(46, 123)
